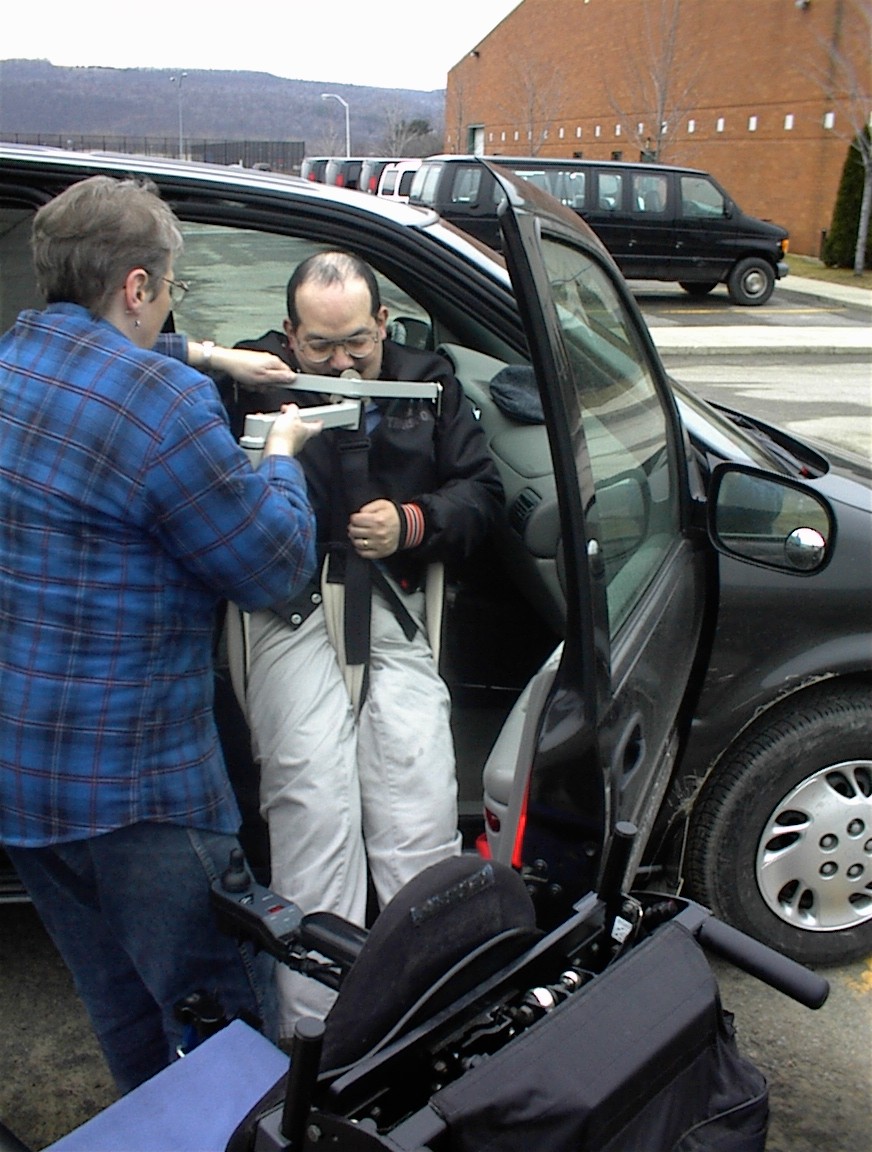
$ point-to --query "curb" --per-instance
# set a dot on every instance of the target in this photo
(762, 341)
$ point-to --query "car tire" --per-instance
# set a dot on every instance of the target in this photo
(751, 281)
(780, 842)
(698, 288)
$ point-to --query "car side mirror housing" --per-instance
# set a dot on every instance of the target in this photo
(769, 520)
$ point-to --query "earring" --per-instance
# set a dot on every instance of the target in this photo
(136, 323)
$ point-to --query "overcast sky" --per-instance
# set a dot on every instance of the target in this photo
(387, 43)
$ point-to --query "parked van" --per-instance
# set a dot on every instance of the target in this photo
(370, 173)
(658, 222)
(343, 171)
(396, 179)
(314, 167)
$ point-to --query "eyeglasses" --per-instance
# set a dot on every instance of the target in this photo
(178, 289)
(357, 347)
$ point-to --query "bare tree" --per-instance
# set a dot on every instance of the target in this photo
(538, 95)
(404, 137)
(660, 81)
(849, 86)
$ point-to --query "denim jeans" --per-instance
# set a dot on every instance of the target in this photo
(129, 913)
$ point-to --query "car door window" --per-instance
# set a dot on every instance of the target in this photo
(238, 279)
(649, 193)
(18, 287)
(635, 517)
(611, 191)
(700, 198)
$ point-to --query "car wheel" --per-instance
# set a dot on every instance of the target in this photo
(780, 842)
(698, 288)
(751, 281)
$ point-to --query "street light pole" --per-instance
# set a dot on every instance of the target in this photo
(178, 80)
(344, 103)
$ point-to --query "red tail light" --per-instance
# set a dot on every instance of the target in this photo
(520, 831)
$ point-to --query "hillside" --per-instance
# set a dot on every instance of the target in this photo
(38, 98)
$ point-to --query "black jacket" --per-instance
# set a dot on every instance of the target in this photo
(439, 462)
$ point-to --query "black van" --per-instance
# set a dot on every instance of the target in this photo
(658, 222)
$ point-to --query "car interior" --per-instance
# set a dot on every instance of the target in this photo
(504, 609)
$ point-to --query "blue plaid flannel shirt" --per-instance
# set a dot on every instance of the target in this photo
(127, 511)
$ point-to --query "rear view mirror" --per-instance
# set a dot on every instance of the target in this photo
(770, 520)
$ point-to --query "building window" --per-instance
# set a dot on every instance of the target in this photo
(829, 119)
(752, 123)
(578, 133)
(517, 134)
(788, 122)
(598, 131)
(720, 124)
(691, 127)
(617, 129)
(561, 133)
(502, 137)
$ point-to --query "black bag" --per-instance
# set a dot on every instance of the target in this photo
(643, 1059)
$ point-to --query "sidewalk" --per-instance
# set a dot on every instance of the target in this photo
(762, 339)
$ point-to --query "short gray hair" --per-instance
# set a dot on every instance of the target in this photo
(87, 239)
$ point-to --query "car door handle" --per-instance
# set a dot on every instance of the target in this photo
(630, 748)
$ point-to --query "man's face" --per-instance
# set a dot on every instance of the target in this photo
(337, 330)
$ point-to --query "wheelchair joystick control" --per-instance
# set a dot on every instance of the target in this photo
(236, 877)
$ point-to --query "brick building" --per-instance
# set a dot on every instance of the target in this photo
(764, 94)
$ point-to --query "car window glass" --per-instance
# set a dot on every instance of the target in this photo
(18, 288)
(426, 183)
(238, 278)
(635, 517)
(611, 191)
(466, 184)
(649, 193)
(700, 198)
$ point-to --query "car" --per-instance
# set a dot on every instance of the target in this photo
(396, 178)
(370, 173)
(314, 168)
(659, 222)
(671, 627)
(344, 171)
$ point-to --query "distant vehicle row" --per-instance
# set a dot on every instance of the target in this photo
(658, 222)
(388, 176)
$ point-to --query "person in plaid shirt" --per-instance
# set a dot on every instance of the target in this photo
(127, 512)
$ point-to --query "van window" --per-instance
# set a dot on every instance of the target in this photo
(649, 193)
(425, 184)
(700, 198)
(406, 181)
(388, 181)
(611, 191)
(466, 184)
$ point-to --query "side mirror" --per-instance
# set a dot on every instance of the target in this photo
(769, 520)
(729, 208)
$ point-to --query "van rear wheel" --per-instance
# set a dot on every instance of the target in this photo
(751, 281)
(698, 288)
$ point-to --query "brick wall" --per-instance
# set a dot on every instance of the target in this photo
(749, 84)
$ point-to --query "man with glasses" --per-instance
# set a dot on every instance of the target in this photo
(341, 787)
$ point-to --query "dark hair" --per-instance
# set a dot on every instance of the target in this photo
(89, 237)
(327, 268)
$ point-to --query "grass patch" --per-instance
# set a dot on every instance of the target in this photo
(816, 270)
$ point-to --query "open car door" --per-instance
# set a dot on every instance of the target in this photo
(594, 739)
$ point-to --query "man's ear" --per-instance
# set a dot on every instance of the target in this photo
(381, 320)
(288, 329)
